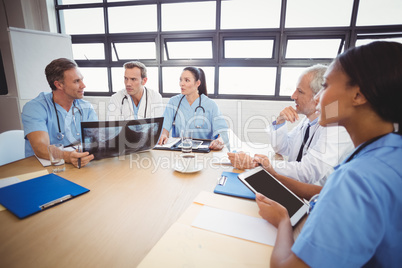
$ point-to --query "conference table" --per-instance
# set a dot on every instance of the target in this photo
(133, 200)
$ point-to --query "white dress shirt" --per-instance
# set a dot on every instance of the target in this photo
(121, 105)
(325, 148)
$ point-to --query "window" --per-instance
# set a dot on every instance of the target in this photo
(249, 49)
(133, 50)
(180, 50)
(313, 48)
(318, 13)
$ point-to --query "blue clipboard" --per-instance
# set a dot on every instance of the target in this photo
(229, 184)
(29, 197)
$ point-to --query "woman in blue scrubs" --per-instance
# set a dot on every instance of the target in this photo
(357, 218)
(193, 111)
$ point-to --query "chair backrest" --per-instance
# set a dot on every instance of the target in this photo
(12, 146)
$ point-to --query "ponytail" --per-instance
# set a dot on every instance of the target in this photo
(199, 75)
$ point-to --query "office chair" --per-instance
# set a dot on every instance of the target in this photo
(12, 146)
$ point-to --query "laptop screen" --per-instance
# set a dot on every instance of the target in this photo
(113, 138)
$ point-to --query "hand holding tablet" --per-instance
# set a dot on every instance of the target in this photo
(260, 181)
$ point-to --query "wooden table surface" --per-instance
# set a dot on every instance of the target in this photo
(131, 204)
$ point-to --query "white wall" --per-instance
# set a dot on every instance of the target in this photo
(25, 14)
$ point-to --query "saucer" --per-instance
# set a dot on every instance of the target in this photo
(180, 168)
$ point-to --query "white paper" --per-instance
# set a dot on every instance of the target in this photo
(220, 157)
(46, 163)
(171, 141)
(8, 181)
(236, 224)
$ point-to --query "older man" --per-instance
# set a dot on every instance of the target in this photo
(311, 150)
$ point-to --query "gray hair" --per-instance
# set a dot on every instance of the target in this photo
(139, 65)
(317, 73)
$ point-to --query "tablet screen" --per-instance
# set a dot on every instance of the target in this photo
(265, 184)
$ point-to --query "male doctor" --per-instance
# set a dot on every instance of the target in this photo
(312, 151)
(55, 117)
(135, 101)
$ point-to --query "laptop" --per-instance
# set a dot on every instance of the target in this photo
(113, 138)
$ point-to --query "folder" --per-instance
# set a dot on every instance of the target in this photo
(229, 184)
(28, 197)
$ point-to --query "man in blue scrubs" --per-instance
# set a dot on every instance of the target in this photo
(56, 116)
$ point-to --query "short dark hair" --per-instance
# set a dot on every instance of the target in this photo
(199, 74)
(377, 69)
(54, 71)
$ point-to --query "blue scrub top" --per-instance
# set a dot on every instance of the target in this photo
(357, 220)
(39, 115)
(206, 125)
(136, 107)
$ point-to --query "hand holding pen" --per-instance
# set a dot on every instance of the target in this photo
(78, 158)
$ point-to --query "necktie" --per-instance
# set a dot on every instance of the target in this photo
(299, 156)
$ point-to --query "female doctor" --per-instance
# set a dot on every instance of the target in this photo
(356, 221)
(193, 111)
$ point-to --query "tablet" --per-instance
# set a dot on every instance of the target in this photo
(196, 144)
(261, 181)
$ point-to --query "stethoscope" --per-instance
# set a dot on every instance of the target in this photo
(126, 98)
(314, 199)
(195, 112)
(60, 135)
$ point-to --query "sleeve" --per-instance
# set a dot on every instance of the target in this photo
(156, 105)
(89, 113)
(34, 117)
(219, 125)
(113, 111)
(169, 114)
(281, 140)
(348, 220)
(332, 145)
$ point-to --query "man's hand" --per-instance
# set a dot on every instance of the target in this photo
(287, 114)
(73, 156)
(263, 160)
(242, 160)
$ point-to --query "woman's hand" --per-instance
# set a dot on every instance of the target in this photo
(271, 211)
(164, 137)
(242, 160)
(216, 145)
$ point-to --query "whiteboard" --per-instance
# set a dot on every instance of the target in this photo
(32, 51)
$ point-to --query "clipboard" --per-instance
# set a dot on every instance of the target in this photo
(32, 196)
(229, 184)
(176, 147)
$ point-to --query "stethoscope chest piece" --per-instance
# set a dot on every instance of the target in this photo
(195, 112)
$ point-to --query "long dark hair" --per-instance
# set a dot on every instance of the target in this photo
(377, 69)
(199, 75)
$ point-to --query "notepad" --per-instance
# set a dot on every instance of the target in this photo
(29, 197)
